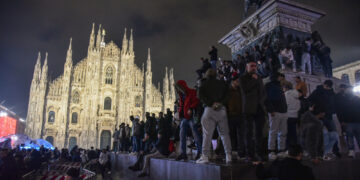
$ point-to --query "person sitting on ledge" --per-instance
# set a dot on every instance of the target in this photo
(286, 57)
(288, 168)
(162, 145)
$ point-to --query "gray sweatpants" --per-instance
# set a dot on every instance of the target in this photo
(210, 120)
(278, 130)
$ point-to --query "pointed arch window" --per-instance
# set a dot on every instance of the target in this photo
(74, 118)
(137, 101)
(76, 98)
(107, 103)
(357, 76)
(345, 78)
(51, 117)
(109, 75)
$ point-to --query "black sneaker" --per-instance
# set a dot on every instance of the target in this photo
(181, 157)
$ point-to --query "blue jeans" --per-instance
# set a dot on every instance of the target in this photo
(330, 138)
(136, 144)
(352, 130)
(213, 64)
(183, 131)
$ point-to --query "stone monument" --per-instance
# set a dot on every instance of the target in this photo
(277, 22)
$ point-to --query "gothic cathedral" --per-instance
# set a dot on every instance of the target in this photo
(84, 105)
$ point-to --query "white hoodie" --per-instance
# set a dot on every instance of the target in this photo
(293, 103)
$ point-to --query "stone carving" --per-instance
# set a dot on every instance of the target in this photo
(248, 3)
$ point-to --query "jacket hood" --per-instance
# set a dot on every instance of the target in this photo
(183, 84)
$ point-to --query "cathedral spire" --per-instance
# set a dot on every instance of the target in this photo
(148, 62)
(98, 38)
(172, 85)
(37, 69)
(69, 54)
(92, 37)
(124, 44)
(44, 70)
(131, 43)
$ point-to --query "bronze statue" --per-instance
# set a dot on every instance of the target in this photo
(248, 3)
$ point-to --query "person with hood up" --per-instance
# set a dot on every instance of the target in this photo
(187, 104)
(212, 93)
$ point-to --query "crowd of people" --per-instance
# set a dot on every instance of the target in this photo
(259, 121)
(300, 55)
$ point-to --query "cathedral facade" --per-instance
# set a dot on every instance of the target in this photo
(84, 105)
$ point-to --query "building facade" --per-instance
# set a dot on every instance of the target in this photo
(349, 73)
(84, 105)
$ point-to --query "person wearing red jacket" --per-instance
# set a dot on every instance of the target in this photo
(187, 103)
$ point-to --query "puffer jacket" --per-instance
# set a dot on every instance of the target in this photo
(293, 103)
(189, 102)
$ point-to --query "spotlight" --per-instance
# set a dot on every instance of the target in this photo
(3, 114)
(356, 89)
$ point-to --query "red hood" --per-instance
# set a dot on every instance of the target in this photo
(183, 84)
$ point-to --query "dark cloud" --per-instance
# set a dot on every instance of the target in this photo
(177, 31)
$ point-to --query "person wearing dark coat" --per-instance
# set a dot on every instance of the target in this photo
(205, 66)
(213, 56)
(254, 96)
(150, 133)
(277, 107)
(162, 144)
(212, 93)
(347, 107)
(8, 169)
(236, 122)
(286, 169)
(324, 95)
(311, 130)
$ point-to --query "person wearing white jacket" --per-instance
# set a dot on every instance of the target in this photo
(293, 107)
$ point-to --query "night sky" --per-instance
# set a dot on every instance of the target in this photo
(178, 32)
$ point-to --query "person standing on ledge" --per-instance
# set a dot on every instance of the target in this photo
(188, 102)
(254, 110)
(212, 93)
(213, 56)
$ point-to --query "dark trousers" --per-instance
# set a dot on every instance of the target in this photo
(291, 134)
(254, 140)
(237, 134)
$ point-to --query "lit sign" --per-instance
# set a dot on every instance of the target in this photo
(7, 126)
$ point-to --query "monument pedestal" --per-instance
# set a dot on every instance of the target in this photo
(278, 23)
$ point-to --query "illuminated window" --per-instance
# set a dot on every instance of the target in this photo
(357, 76)
(109, 75)
(51, 118)
(345, 78)
(74, 117)
(107, 103)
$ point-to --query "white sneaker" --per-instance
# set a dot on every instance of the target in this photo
(203, 159)
(282, 154)
(228, 158)
(329, 157)
(351, 154)
(272, 156)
